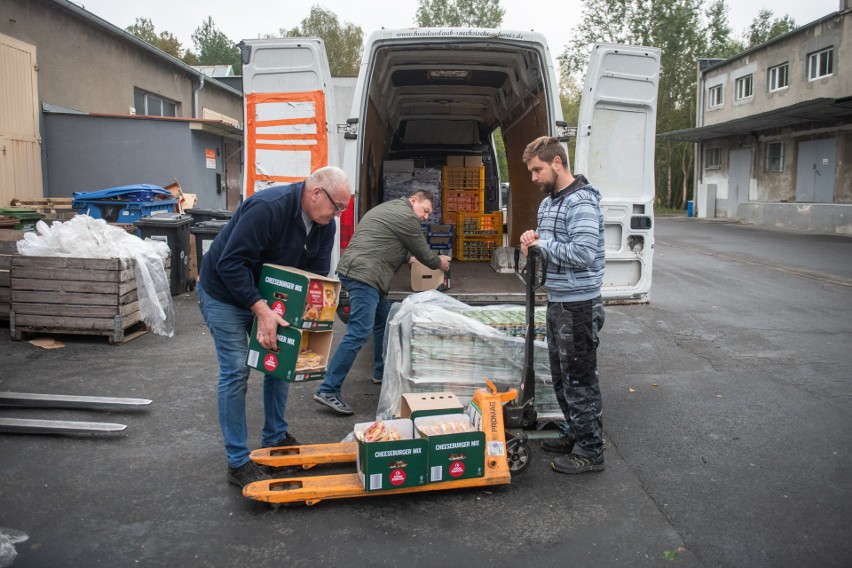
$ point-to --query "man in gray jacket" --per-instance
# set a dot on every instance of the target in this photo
(385, 238)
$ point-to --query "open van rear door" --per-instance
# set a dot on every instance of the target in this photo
(289, 110)
(615, 149)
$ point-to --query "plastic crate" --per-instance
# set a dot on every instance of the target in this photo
(455, 201)
(440, 230)
(463, 178)
(442, 242)
(117, 211)
(479, 224)
(446, 251)
(476, 248)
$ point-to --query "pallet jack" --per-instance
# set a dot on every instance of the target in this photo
(505, 418)
(35, 426)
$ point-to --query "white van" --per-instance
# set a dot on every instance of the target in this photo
(427, 99)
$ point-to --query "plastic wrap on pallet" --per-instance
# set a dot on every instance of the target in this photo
(434, 342)
(402, 183)
(85, 237)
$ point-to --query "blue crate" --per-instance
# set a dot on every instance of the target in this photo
(125, 212)
(442, 250)
(440, 230)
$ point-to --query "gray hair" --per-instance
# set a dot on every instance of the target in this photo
(329, 177)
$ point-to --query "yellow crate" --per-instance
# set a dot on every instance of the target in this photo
(463, 178)
(479, 224)
(453, 201)
(476, 248)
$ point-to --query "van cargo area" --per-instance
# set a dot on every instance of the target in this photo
(431, 111)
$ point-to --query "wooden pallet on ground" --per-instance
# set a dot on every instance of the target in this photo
(81, 296)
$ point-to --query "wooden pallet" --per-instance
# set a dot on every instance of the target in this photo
(51, 207)
(81, 296)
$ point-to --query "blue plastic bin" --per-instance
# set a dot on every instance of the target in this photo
(689, 209)
(126, 204)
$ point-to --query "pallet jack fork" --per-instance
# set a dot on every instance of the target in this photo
(313, 489)
(35, 426)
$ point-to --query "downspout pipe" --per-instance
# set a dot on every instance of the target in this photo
(196, 103)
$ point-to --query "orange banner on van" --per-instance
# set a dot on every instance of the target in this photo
(316, 144)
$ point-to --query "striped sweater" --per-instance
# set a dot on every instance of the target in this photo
(571, 231)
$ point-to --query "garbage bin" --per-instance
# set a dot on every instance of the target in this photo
(173, 229)
(202, 215)
(205, 232)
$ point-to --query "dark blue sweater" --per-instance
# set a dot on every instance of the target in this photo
(266, 228)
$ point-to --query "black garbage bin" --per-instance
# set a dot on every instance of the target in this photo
(173, 229)
(205, 232)
(202, 215)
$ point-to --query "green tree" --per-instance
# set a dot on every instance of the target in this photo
(165, 41)
(214, 47)
(719, 39)
(685, 30)
(764, 27)
(459, 13)
(343, 44)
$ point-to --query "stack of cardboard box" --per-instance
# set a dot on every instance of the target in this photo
(307, 302)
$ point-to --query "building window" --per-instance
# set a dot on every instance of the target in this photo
(775, 157)
(712, 158)
(777, 78)
(152, 105)
(744, 87)
(820, 64)
(715, 96)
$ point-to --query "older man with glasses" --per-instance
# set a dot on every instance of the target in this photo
(387, 236)
(290, 225)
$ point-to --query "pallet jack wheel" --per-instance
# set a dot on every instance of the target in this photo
(519, 457)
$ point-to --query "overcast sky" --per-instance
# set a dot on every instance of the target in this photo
(245, 19)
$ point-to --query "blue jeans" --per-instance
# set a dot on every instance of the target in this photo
(369, 313)
(230, 326)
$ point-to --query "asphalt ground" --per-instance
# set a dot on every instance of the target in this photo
(727, 412)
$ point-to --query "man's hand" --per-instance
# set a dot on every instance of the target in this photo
(445, 262)
(528, 239)
(267, 325)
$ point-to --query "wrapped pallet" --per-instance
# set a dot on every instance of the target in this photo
(436, 343)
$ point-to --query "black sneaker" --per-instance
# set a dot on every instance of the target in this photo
(574, 463)
(287, 440)
(245, 474)
(561, 445)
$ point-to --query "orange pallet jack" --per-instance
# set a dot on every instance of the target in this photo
(313, 489)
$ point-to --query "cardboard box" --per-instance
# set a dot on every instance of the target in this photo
(415, 404)
(304, 299)
(285, 363)
(391, 465)
(472, 161)
(424, 278)
(452, 456)
(455, 161)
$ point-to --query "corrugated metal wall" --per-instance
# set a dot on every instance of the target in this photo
(20, 151)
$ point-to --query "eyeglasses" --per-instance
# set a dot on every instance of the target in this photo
(337, 208)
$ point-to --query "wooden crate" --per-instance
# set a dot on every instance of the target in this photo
(8, 247)
(82, 296)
